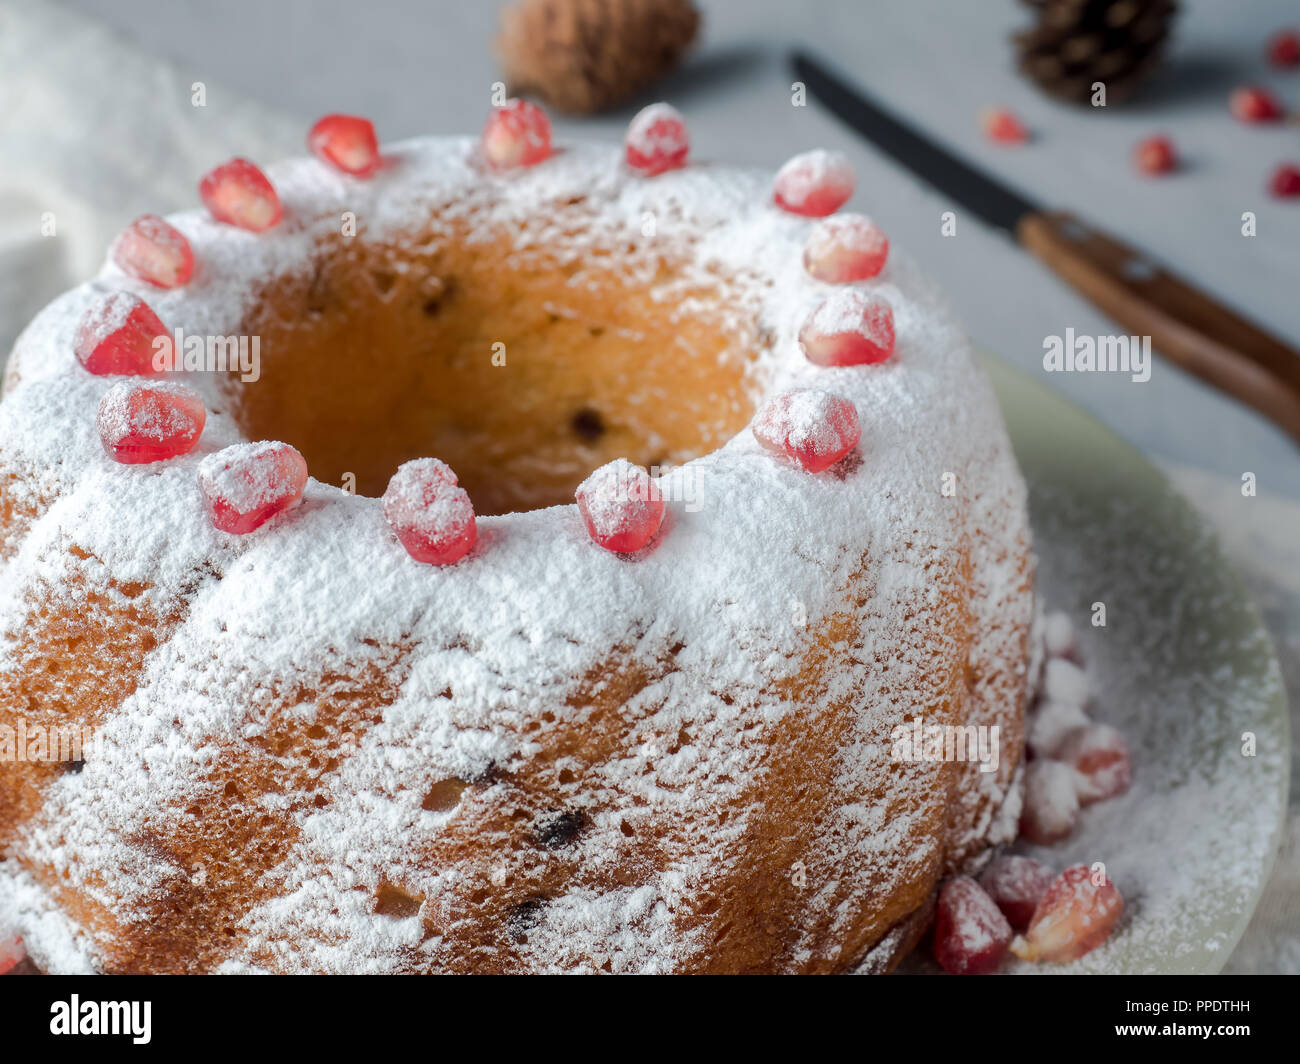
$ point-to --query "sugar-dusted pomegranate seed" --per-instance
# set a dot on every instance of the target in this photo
(1155, 155)
(1016, 885)
(1099, 755)
(814, 184)
(813, 427)
(1076, 914)
(153, 250)
(517, 133)
(1253, 104)
(239, 194)
(1064, 681)
(1051, 808)
(621, 506)
(971, 935)
(1284, 48)
(116, 335)
(12, 952)
(657, 140)
(1002, 126)
(849, 328)
(148, 422)
(1285, 181)
(1049, 724)
(346, 142)
(247, 484)
(1059, 639)
(845, 247)
(429, 512)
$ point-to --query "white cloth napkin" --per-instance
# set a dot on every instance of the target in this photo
(93, 163)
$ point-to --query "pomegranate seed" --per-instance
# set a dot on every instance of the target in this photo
(814, 184)
(1099, 755)
(814, 428)
(845, 247)
(141, 423)
(1074, 918)
(1064, 681)
(657, 140)
(1285, 182)
(429, 512)
(155, 251)
(239, 194)
(246, 485)
(116, 335)
(1049, 724)
(1016, 885)
(517, 133)
(621, 506)
(1051, 808)
(1002, 126)
(1155, 155)
(1253, 104)
(849, 328)
(1058, 637)
(346, 142)
(1284, 48)
(12, 952)
(971, 935)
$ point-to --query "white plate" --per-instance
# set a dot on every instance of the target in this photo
(1183, 667)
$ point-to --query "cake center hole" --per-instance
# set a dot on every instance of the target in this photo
(522, 369)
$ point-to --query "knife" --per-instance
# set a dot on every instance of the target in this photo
(1186, 325)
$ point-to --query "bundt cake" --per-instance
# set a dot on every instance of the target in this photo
(478, 726)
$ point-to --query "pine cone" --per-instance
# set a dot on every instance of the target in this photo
(1079, 42)
(583, 56)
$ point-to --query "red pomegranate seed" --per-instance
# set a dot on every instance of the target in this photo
(1059, 639)
(246, 485)
(116, 335)
(1016, 885)
(1049, 724)
(428, 511)
(657, 140)
(1074, 918)
(971, 935)
(1099, 754)
(141, 423)
(845, 247)
(621, 506)
(1285, 181)
(850, 328)
(155, 251)
(1002, 126)
(239, 194)
(1051, 807)
(518, 133)
(1064, 681)
(1155, 155)
(814, 184)
(1253, 104)
(814, 428)
(346, 142)
(12, 952)
(1284, 48)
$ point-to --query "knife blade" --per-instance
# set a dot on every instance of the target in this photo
(1187, 326)
(998, 205)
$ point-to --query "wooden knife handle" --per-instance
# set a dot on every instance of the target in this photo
(1185, 325)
